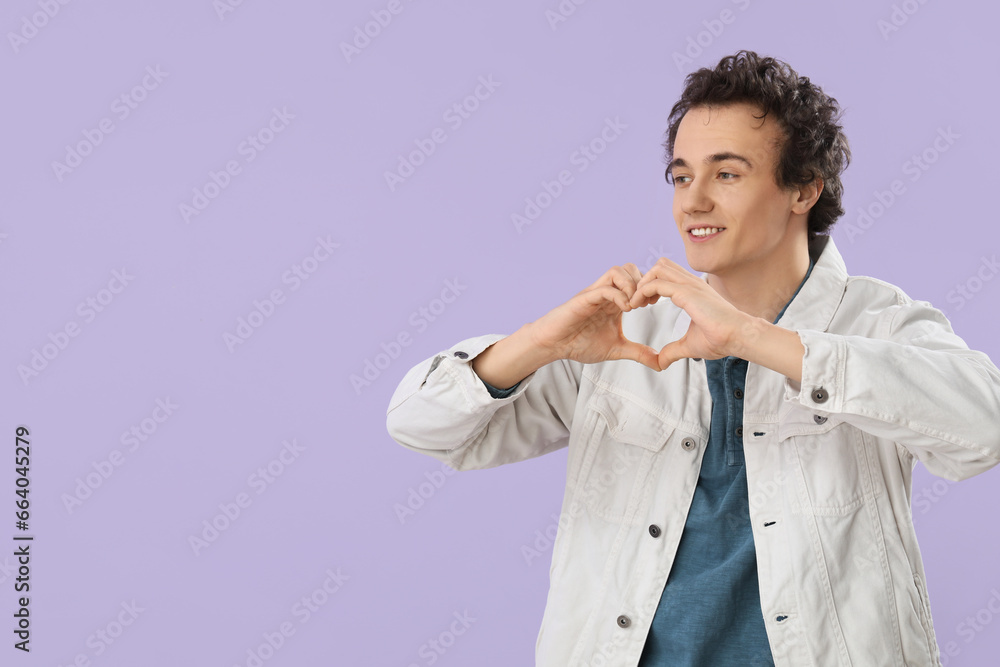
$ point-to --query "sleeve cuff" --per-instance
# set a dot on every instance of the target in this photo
(458, 359)
(822, 386)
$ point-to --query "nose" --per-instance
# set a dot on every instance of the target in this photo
(694, 198)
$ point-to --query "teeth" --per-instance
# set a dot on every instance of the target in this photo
(705, 231)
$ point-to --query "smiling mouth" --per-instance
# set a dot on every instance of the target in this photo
(704, 233)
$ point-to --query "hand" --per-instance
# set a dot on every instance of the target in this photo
(716, 324)
(588, 327)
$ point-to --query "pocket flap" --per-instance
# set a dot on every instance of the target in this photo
(795, 419)
(630, 422)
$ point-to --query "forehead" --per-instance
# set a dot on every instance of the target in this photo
(734, 127)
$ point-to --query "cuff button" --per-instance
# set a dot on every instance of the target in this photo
(461, 355)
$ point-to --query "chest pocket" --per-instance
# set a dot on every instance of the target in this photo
(828, 456)
(620, 446)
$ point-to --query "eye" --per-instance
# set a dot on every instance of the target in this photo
(685, 179)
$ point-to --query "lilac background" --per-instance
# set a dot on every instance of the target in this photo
(334, 506)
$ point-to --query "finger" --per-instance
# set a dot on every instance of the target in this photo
(633, 272)
(656, 288)
(622, 277)
(646, 277)
(674, 351)
(668, 270)
(600, 295)
(661, 273)
(644, 354)
(671, 264)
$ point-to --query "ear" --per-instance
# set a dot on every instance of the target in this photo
(808, 196)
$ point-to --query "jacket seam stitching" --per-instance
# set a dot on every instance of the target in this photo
(924, 429)
(822, 570)
(457, 455)
(670, 420)
(880, 545)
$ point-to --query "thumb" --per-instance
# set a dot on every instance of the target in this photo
(672, 352)
(644, 354)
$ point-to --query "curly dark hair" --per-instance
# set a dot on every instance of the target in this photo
(814, 142)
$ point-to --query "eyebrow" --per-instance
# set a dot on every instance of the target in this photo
(710, 159)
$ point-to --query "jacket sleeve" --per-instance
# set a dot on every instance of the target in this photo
(443, 409)
(917, 384)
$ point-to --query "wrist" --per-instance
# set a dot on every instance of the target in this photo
(747, 336)
(536, 353)
(509, 360)
(771, 346)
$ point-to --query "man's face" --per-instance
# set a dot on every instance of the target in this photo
(729, 210)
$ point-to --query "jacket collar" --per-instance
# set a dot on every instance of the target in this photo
(815, 304)
(818, 299)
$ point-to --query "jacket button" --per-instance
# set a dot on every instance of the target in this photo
(738, 393)
(819, 395)
(654, 530)
(819, 419)
(739, 431)
(687, 443)
(461, 355)
(624, 621)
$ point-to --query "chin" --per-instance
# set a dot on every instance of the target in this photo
(698, 264)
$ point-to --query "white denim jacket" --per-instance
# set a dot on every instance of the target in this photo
(885, 382)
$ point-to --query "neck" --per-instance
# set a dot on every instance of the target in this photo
(763, 289)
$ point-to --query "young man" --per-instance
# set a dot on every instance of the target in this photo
(741, 494)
